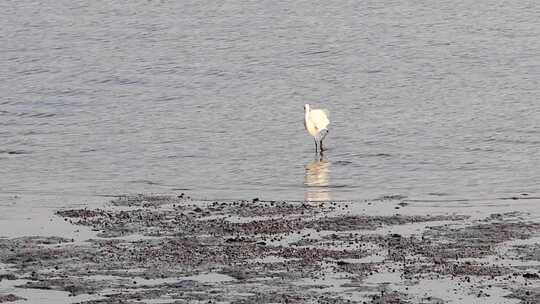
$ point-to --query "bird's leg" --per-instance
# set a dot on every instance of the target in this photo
(315, 145)
(322, 149)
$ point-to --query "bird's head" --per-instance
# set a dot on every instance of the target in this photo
(306, 107)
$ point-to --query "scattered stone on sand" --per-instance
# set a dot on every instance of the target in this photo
(8, 276)
(10, 298)
(530, 252)
(526, 295)
(170, 247)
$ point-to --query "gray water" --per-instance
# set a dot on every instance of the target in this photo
(427, 99)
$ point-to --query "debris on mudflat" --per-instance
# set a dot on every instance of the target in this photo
(10, 298)
(170, 247)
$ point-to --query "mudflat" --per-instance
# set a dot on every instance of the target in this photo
(173, 249)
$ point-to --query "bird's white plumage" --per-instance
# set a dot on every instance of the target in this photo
(319, 119)
(316, 121)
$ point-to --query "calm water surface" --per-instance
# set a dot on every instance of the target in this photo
(427, 99)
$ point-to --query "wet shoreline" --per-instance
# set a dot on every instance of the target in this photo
(172, 249)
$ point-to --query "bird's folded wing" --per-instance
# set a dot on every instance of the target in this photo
(326, 112)
(319, 118)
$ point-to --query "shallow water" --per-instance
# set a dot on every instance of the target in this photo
(427, 100)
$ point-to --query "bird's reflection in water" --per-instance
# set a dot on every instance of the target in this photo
(316, 180)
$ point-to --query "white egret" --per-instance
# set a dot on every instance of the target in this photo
(316, 123)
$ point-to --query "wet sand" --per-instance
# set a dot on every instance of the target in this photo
(172, 249)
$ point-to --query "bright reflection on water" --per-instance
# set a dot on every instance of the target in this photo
(316, 180)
